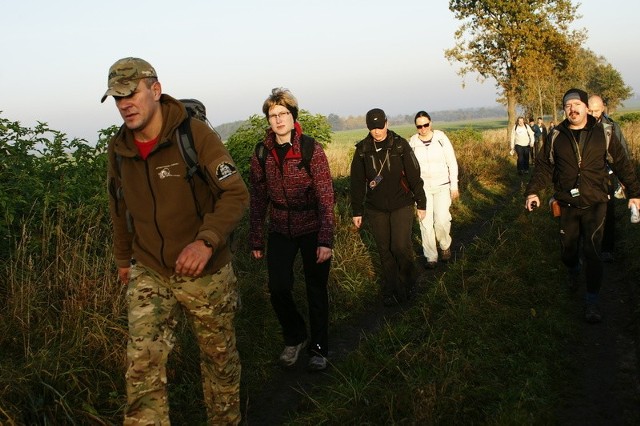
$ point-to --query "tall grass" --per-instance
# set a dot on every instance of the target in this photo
(476, 348)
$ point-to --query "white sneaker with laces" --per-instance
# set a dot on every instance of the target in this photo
(289, 355)
(317, 363)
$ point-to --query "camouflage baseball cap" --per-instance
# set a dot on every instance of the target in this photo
(125, 74)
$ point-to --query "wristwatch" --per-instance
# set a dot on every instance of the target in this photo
(207, 244)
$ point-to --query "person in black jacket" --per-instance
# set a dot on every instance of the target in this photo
(386, 186)
(596, 108)
(576, 158)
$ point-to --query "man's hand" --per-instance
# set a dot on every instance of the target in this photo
(323, 254)
(193, 259)
(455, 194)
(421, 214)
(257, 254)
(357, 221)
(532, 202)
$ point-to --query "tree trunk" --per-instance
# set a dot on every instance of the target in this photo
(511, 114)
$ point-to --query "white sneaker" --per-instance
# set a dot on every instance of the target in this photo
(289, 355)
(317, 363)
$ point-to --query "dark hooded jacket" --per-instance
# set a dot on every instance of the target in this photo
(401, 184)
(559, 164)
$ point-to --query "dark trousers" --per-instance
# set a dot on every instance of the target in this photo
(588, 225)
(281, 254)
(392, 232)
(523, 158)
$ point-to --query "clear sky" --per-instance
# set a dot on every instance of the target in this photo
(336, 56)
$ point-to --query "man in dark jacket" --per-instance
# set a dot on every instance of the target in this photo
(596, 108)
(386, 186)
(171, 245)
(576, 157)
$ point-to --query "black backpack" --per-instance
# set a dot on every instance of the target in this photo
(306, 147)
(197, 110)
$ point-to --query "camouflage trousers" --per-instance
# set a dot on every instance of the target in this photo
(210, 303)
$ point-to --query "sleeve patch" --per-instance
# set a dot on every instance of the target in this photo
(225, 170)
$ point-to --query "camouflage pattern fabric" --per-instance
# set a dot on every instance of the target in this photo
(210, 303)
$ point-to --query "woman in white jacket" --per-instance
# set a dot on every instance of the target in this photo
(521, 142)
(439, 171)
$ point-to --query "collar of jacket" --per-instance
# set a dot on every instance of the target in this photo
(270, 141)
(564, 126)
(173, 113)
(368, 144)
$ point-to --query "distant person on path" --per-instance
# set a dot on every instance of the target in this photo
(439, 172)
(597, 109)
(386, 187)
(532, 125)
(521, 142)
(298, 198)
(171, 245)
(539, 135)
(576, 159)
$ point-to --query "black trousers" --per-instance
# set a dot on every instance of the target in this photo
(588, 225)
(281, 254)
(392, 232)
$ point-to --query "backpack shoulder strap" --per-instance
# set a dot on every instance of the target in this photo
(608, 130)
(261, 154)
(188, 150)
(307, 146)
(551, 138)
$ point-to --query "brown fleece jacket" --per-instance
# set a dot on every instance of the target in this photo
(153, 207)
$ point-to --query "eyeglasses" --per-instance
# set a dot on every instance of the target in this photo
(420, 126)
(281, 115)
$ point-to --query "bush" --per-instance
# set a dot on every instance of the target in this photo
(630, 117)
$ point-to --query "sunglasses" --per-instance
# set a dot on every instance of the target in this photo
(420, 126)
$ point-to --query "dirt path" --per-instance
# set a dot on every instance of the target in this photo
(606, 386)
(286, 391)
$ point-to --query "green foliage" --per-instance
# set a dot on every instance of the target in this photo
(242, 143)
(606, 81)
(630, 117)
(42, 171)
(507, 41)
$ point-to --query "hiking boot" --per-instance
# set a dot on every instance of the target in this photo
(592, 313)
(430, 264)
(446, 255)
(289, 355)
(607, 257)
(317, 363)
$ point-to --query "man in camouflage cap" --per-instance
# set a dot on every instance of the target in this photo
(171, 245)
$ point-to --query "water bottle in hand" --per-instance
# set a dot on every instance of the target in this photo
(635, 215)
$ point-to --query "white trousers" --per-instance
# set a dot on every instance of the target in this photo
(435, 228)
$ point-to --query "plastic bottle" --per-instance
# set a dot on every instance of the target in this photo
(635, 216)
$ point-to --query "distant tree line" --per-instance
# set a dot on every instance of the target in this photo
(352, 122)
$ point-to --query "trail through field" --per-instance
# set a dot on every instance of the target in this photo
(606, 388)
(603, 388)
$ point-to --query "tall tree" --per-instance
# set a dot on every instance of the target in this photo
(501, 39)
(604, 80)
